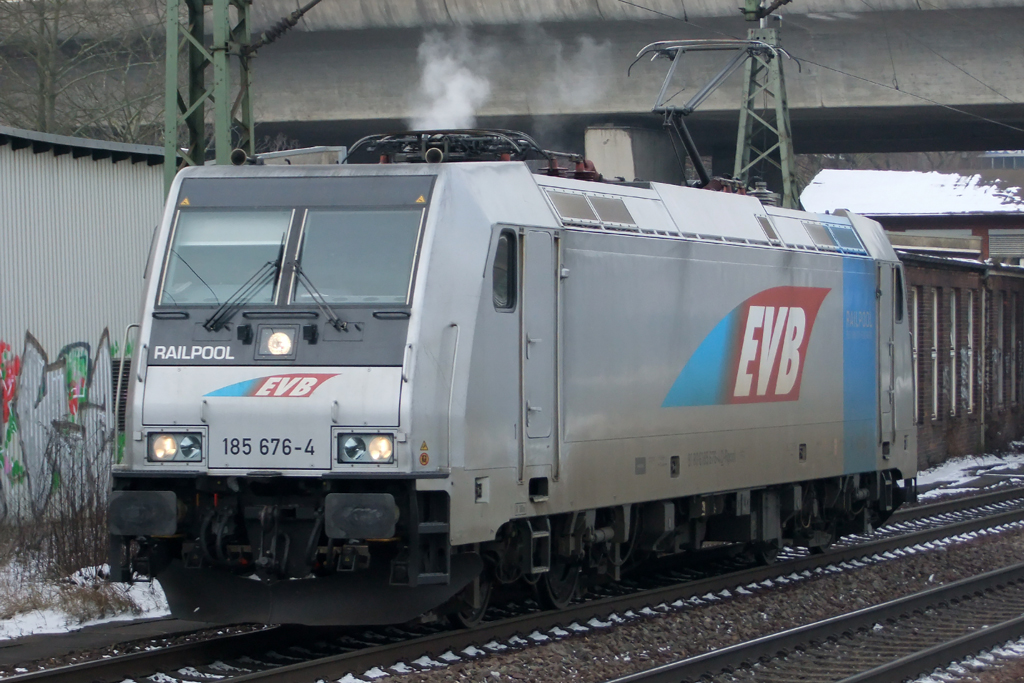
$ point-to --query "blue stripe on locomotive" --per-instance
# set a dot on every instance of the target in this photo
(860, 368)
(239, 389)
(702, 381)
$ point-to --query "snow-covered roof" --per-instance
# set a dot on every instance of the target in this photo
(915, 193)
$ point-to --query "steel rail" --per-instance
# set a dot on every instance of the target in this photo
(770, 646)
(943, 654)
(907, 514)
(140, 664)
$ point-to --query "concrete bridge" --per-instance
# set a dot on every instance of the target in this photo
(868, 75)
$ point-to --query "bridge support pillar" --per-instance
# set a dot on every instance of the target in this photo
(633, 154)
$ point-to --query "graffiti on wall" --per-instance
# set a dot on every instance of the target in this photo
(58, 425)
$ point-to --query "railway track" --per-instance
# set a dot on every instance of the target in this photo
(899, 639)
(286, 654)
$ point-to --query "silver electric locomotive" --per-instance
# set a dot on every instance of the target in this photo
(363, 393)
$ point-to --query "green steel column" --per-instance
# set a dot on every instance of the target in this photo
(171, 96)
(764, 78)
(189, 110)
(787, 160)
(198, 59)
(751, 10)
(746, 125)
(221, 83)
(241, 39)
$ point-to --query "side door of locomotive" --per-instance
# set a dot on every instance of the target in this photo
(886, 351)
(538, 353)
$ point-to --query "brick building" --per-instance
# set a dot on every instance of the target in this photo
(968, 322)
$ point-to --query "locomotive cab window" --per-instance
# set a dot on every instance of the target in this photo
(357, 256)
(214, 253)
(504, 272)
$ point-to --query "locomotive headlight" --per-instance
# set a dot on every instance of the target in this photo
(353, 448)
(190, 447)
(365, 448)
(163, 447)
(380, 449)
(276, 342)
(279, 344)
(175, 448)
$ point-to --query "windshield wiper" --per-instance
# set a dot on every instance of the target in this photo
(321, 303)
(260, 279)
(200, 277)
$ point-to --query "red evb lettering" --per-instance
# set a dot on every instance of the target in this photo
(289, 386)
(774, 328)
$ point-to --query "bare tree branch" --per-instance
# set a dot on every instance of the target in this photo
(83, 67)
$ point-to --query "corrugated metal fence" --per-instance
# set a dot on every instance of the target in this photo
(76, 219)
(74, 236)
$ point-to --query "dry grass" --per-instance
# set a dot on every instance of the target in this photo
(50, 546)
(25, 586)
(86, 603)
(48, 564)
(20, 592)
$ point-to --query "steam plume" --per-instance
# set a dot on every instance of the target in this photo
(580, 72)
(453, 84)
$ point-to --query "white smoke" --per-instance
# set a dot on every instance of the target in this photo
(580, 72)
(453, 82)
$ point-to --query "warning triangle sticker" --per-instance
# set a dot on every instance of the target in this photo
(184, 202)
(421, 200)
(424, 446)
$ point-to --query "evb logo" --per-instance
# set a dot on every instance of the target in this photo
(755, 354)
(281, 386)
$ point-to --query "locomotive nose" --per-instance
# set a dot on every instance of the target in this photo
(291, 420)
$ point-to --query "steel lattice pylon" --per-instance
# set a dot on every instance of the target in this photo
(767, 125)
(187, 107)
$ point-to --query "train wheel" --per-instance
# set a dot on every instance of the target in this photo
(468, 616)
(557, 587)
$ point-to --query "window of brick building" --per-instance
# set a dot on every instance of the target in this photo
(953, 365)
(914, 317)
(1012, 348)
(997, 365)
(935, 353)
(970, 351)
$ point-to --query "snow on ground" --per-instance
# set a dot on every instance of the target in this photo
(148, 596)
(955, 475)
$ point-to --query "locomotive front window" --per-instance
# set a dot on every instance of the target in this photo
(216, 252)
(353, 256)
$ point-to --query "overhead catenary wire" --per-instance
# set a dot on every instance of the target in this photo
(948, 107)
(683, 19)
(928, 47)
(892, 62)
(281, 27)
(915, 95)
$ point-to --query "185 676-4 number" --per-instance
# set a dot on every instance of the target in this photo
(269, 446)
